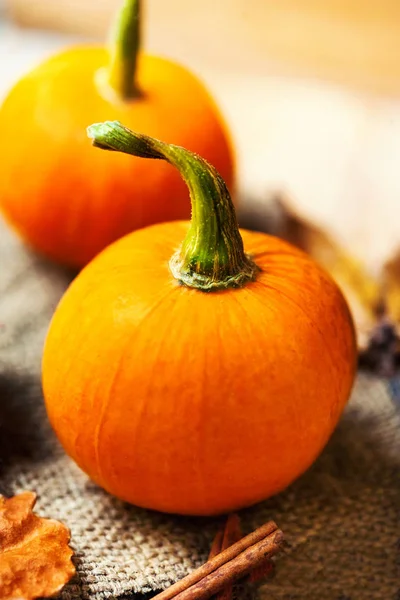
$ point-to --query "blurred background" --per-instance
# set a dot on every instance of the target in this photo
(310, 91)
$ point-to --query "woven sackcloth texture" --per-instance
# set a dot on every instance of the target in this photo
(341, 519)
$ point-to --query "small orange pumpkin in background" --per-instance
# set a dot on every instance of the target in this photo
(195, 377)
(68, 202)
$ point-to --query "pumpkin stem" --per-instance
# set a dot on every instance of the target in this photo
(120, 75)
(211, 256)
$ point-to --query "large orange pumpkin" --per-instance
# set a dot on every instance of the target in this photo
(69, 202)
(204, 382)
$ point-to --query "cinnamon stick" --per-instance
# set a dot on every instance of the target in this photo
(216, 546)
(224, 538)
(233, 531)
(230, 565)
(232, 534)
(264, 570)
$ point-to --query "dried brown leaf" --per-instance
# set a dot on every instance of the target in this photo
(35, 559)
(391, 278)
(383, 352)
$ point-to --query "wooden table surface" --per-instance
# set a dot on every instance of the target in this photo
(352, 41)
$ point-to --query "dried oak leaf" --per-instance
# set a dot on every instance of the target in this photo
(35, 559)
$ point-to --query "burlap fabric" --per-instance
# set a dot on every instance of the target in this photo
(341, 519)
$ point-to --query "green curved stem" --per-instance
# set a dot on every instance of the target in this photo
(124, 47)
(211, 255)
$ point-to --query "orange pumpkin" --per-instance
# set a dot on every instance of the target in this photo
(205, 382)
(69, 202)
